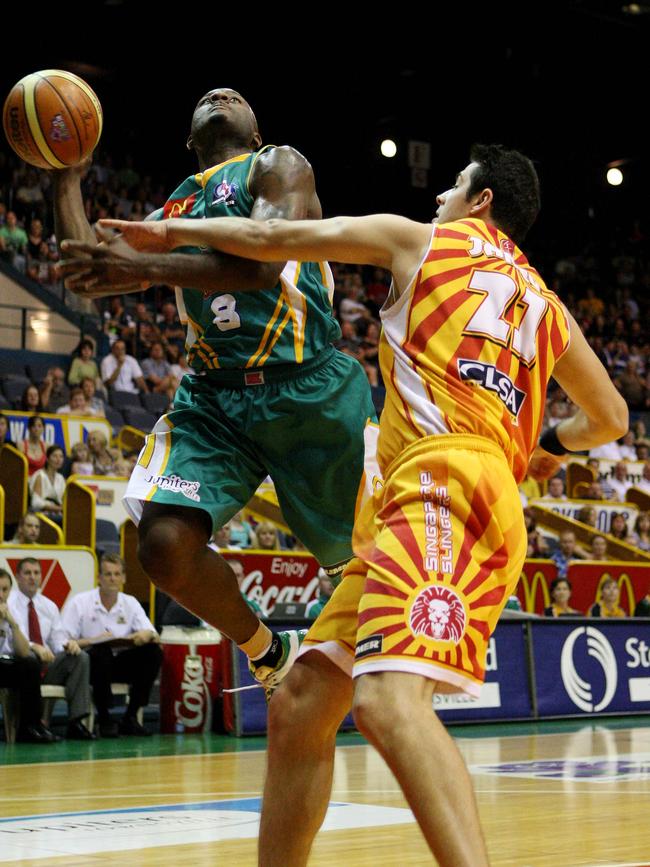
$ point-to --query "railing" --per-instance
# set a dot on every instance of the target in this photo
(39, 320)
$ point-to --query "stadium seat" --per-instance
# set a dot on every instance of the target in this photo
(12, 375)
(50, 694)
(9, 366)
(139, 418)
(122, 399)
(13, 388)
(38, 369)
(107, 538)
(155, 403)
(115, 417)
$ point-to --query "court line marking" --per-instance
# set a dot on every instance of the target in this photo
(337, 794)
(88, 759)
(89, 796)
(202, 756)
(598, 791)
(248, 793)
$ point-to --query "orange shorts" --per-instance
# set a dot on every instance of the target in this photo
(438, 552)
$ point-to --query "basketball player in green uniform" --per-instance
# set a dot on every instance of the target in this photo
(270, 395)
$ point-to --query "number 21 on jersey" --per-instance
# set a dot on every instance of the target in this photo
(500, 292)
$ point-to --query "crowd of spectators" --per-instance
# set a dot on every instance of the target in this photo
(140, 351)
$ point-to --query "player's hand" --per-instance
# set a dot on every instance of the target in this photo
(4, 612)
(72, 648)
(106, 269)
(151, 236)
(79, 171)
(543, 465)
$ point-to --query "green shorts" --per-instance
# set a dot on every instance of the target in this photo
(303, 426)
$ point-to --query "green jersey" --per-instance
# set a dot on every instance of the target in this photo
(287, 324)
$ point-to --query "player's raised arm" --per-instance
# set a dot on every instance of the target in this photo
(282, 184)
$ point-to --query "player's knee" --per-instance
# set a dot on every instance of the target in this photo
(375, 710)
(165, 546)
(302, 710)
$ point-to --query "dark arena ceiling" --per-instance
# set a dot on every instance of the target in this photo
(564, 82)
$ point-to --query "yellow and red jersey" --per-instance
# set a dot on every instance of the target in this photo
(470, 345)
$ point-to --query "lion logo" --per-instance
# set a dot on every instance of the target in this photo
(437, 613)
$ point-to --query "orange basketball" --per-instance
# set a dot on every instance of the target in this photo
(52, 119)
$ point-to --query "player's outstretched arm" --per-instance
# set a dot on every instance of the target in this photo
(602, 414)
(379, 239)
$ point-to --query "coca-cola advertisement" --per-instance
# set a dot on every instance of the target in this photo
(190, 679)
(276, 576)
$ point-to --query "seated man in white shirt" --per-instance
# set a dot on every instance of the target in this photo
(20, 670)
(610, 452)
(121, 371)
(62, 662)
(619, 483)
(121, 641)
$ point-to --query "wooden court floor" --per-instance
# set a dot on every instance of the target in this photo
(557, 795)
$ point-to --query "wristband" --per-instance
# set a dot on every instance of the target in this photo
(550, 443)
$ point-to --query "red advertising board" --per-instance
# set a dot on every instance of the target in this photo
(586, 579)
(534, 584)
(276, 576)
(190, 680)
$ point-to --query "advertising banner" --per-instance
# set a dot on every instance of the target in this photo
(190, 679)
(586, 578)
(593, 667)
(506, 692)
(534, 585)
(108, 491)
(604, 510)
(633, 475)
(66, 569)
(276, 576)
(62, 430)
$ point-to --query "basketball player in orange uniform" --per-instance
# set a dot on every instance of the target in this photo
(471, 336)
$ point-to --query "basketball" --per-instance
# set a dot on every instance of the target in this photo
(52, 119)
